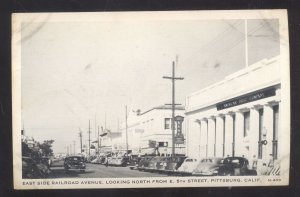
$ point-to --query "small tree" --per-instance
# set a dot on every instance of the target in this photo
(46, 148)
(26, 151)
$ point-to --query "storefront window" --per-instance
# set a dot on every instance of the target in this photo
(260, 133)
(167, 123)
(246, 123)
(275, 131)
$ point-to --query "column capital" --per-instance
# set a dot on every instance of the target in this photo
(198, 121)
(273, 103)
(220, 115)
(257, 107)
(212, 117)
(243, 110)
(204, 119)
(230, 113)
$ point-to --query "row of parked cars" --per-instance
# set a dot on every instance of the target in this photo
(230, 166)
(113, 160)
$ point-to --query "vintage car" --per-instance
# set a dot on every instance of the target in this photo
(173, 163)
(121, 161)
(187, 167)
(144, 163)
(97, 160)
(236, 166)
(161, 164)
(74, 162)
(208, 167)
(134, 162)
(152, 164)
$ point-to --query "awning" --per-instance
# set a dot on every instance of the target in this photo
(148, 151)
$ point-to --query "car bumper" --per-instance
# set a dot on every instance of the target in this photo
(76, 167)
(204, 174)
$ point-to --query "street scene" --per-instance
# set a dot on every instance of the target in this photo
(97, 171)
(127, 98)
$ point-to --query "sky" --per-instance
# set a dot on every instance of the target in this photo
(73, 72)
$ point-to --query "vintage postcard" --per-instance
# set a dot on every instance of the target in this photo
(151, 99)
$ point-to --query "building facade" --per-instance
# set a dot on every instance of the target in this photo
(151, 130)
(238, 116)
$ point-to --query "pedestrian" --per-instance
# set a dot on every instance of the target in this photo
(254, 162)
(263, 170)
(106, 163)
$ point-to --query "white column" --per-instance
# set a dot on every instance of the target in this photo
(198, 139)
(193, 139)
(268, 127)
(228, 134)
(253, 135)
(219, 136)
(203, 138)
(239, 135)
(282, 149)
(211, 137)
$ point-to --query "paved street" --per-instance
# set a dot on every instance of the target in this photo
(99, 171)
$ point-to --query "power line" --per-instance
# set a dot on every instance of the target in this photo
(214, 40)
(236, 43)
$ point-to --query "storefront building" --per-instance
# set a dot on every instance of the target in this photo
(238, 116)
(151, 130)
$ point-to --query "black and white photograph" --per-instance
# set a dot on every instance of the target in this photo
(151, 99)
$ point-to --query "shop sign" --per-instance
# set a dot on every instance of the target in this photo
(253, 96)
(179, 139)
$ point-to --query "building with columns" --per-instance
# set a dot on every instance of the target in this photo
(238, 116)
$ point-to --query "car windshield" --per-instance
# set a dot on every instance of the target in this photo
(207, 161)
(232, 161)
(74, 159)
(189, 160)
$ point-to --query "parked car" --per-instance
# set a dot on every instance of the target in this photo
(74, 162)
(152, 164)
(236, 166)
(161, 164)
(134, 162)
(208, 167)
(144, 163)
(188, 165)
(121, 161)
(97, 160)
(173, 163)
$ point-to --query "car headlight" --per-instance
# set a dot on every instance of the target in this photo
(215, 171)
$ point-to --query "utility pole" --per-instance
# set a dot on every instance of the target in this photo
(70, 149)
(126, 129)
(173, 78)
(95, 124)
(89, 137)
(80, 136)
(98, 141)
(74, 143)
